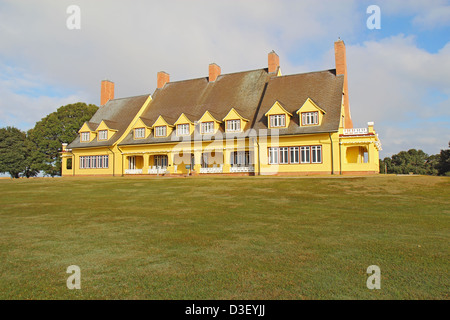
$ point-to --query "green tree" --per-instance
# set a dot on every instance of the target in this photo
(48, 134)
(13, 151)
(415, 161)
(443, 165)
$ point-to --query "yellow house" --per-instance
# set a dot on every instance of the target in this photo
(256, 122)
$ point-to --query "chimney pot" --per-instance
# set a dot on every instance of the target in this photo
(162, 79)
(214, 72)
(107, 92)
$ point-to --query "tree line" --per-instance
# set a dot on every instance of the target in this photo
(26, 154)
(417, 162)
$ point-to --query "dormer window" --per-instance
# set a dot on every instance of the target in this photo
(233, 125)
(103, 135)
(161, 131)
(85, 136)
(277, 120)
(139, 133)
(310, 118)
(207, 127)
(183, 129)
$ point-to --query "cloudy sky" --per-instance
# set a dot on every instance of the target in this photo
(399, 75)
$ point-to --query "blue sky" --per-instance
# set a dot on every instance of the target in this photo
(398, 76)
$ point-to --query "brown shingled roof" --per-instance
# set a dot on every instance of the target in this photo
(117, 114)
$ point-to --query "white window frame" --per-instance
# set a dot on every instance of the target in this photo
(103, 135)
(160, 131)
(305, 154)
(85, 136)
(273, 155)
(277, 120)
(183, 129)
(310, 118)
(94, 162)
(316, 154)
(139, 133)
(161, 160)
(207, 127)
(233, 125)
(284, 155)
(294, 155)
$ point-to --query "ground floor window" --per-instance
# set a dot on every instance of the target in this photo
(241, 158)
(94, 162)
(161, 161)
(295, 155)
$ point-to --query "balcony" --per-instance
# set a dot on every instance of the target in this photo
(157, 170)
(133, 171)
(355, 131)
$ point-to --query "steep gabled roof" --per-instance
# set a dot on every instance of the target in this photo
(117, 114)
(323, 87)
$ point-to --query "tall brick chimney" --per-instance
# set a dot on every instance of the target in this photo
(162, 79)
(273, 62)
(341, 69)
(214, 72)
(107, 92)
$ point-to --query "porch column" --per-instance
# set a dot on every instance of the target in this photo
(226, 160)
(146, 163)
(198, 161)
(170, 166)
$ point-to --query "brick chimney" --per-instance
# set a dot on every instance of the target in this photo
(162, 79)
(341, 69)
(214, 72)
(274, 62)
(107, 92)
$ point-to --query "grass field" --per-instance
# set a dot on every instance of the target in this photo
(225, 237)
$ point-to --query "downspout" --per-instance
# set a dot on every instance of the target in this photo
(114, 162)
(332, 154)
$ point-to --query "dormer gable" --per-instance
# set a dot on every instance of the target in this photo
(278, 116)
(161, 128)
(234, 122)
(310, 114)
(141, 129)
(105, 130)
(87, 131)
(208, 123)
(184, 126)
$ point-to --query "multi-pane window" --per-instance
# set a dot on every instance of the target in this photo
(94, 162)
(241, 158)
(273, 155)
(183, 129)
(85, 136)
(294, 155)
(284, 158)
(208, 127)
(233, 125)
(277, 120)
(316, 154)
(161, 161)
(103, 135)
(139, 133)
(310, 118)
(305, 153)
(160, 131)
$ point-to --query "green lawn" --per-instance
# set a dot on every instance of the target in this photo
(225, 237)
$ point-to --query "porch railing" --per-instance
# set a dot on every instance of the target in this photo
(354, 131)
(133, 171)
(242, 169)
(157, 170)
(214, 169)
